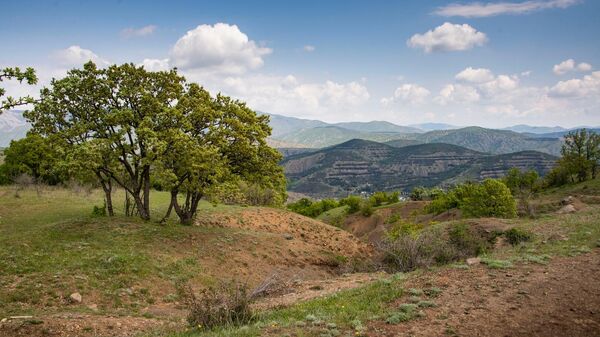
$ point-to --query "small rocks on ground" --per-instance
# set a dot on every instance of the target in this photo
(473, 261)
(567, 209)
(75, 298)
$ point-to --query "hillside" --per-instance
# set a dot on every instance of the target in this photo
(359, 165)
(299, 133)
(325, 136)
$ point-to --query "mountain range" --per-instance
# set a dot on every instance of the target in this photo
(289, 132)
(12, 126)
(360, 165)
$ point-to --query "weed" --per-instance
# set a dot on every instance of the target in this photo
(516, 235)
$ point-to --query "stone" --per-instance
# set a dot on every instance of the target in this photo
(75, 298)
(567, 209)
(473, 261)
(288, 236)
(567, 201)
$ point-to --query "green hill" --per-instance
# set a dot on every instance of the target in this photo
(366, 166)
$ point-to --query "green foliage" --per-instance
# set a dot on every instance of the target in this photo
(422, 193)
(466, 240)
(148, 129)
(353, 202)
(380, 198)
(34, 156)
(519, 182)
(28, 75)
(99, 210)
(366, 209)
(311, 208)
(489, 198)
(580, 158)
(402, 228)
(516, 235)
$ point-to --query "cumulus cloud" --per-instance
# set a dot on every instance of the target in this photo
(578, 87)
(219, 48)
(408, 93)
(448, 37)
(478, 9)
(457, 93)
(75, 56)
(131, 32)
(288, 95)
(570, 65)
(309, 48)
(155, 64)
(475, 75)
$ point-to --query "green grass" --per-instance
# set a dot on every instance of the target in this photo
(51, 246)
(334, 217)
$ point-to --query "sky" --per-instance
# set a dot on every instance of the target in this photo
(492, 64)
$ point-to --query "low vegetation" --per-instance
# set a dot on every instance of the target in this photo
(352, 204)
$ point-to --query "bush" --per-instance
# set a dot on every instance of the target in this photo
(222, 305)
(99, 210)
(353, 202)
(409, 252)
(312, 209)
(366, 209)
(490, 198)
(515, 236)
(467, 242)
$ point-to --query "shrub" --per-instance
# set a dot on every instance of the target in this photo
(407, 253)
(353, 202)
(466, 242)
(515, 236)
(221, 305)
(366, 209)
(490, 198)
(99, 210)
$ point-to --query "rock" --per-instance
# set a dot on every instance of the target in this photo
(3, 320)
(288, 236)
(93, 307)
(473, 261)
(75, 298)
(567, 201)
(567, 209)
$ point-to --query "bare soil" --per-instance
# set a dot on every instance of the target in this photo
(558, 299)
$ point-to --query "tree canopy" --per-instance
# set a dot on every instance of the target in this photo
(139, 128)
(28, 75)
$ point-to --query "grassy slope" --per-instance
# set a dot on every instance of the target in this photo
(51, 246)
(581, 232)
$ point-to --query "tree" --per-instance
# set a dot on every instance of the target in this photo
(33, 156)
(16, 74)
(126, 107)
(520, 183)
(490, 198)
(580, 157)
(215, 141)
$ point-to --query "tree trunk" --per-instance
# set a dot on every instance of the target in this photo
(107, 187)
(187, 213)
(173, 201)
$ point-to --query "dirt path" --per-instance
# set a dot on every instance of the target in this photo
(310, 289)
(558, 299)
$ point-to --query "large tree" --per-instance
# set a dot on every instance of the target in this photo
(124, 106)
(28, 75)
(581, 154)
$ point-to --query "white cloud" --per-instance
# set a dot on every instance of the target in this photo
(457, 93)
(448, 37)
(577, 88)
(478, 9)
(309, 48)
(570, 65)
(288, 95)
(155, 64)
(75, 56)
(409, 93)
(130, 32)
(475, 75)
(220, 48)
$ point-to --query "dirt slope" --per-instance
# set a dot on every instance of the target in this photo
(559, 299)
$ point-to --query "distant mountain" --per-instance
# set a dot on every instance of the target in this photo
(561, 134)
(377, 126)
(522, 128)
(359, 165)
(282, 125)
(324, 136)
(12, 126)
(492, 141)
(434, 126)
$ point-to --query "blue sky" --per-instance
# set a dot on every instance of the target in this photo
(492, 63)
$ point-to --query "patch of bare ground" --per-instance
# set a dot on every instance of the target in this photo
(558, 299)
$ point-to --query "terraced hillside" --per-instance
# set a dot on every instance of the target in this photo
(359, 165)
